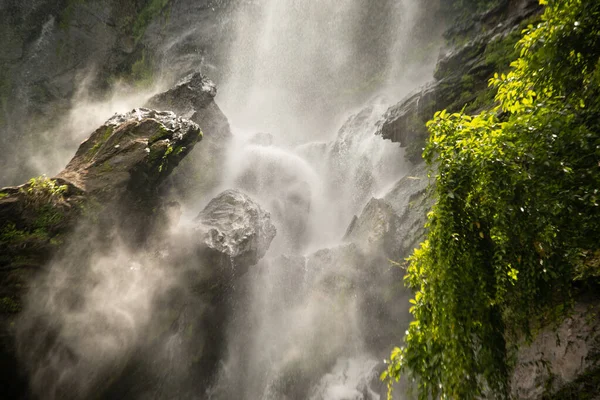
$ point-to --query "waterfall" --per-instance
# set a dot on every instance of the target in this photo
(305, 86)
(295, 69)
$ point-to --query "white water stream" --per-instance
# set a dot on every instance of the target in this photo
(295, 69)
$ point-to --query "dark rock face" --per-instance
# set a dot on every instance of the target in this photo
(193, 98)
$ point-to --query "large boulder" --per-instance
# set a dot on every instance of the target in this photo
(124, 161)
(236, 229)
(131, 152)
(193, 98)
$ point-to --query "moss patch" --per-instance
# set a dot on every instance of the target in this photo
(98, 143)
(42, 191)
(66, 16)
(9, 306)
(153, 9)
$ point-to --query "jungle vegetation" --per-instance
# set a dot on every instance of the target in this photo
(515, 227)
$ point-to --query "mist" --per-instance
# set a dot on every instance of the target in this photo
(304, 85)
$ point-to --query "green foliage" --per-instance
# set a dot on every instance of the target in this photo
(152, 9)
(11, 236)
(142, 72)
(517, 210)
(42, 191)
(99, 142)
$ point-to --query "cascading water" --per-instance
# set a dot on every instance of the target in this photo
(299, 328)
(316, 316)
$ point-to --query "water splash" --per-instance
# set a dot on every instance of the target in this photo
(300, 328)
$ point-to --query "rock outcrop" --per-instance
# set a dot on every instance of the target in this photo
(193, 98)
(123, 162)
(131, 153)
(111, 184)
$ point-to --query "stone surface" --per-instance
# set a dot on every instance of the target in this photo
(237, 228)
(461, 73)
(558, 358)
(395, 224)
(131, 152)
(193, 98)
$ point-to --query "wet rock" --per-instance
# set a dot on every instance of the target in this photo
(262, 139)
(405, 121)
(113, 178)
(132, 153)
(411, 201)
(394, 224)
(236, 229)
(193, 98)
(376, 229)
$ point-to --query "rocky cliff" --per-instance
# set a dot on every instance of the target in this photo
(561, 360)
(475, 50)
(102, 277)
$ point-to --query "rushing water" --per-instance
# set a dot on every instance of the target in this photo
(296, 68)
(305, 84)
